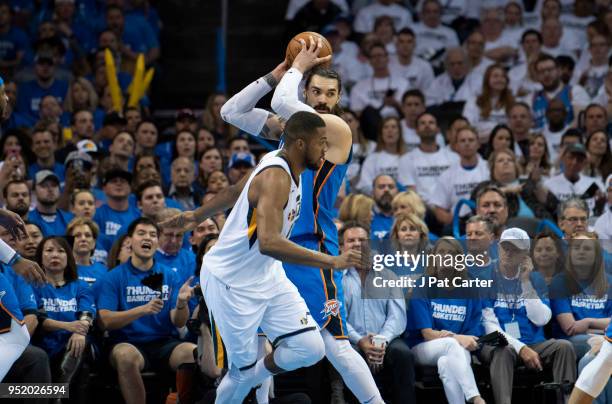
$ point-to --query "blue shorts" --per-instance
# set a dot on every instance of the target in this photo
(322, 291)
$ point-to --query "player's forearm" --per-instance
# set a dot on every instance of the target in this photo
(224, 200)
(6, 252)
(287, 251)
(113, 320)
(285, 100)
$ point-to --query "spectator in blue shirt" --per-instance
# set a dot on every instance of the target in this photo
(480, 235)
(520, 310)
(117, 213)
(141, 304)
(44, 148)
(46, 214)
(384, 189)
(13, 42)
(84, 233)
(181, 189)
(133, 40)
(122, 150)
(547, 255)
(146, 136)
(31, 92)
(170, 252)
(67, 310)
(581, 295)
(409, 236)
(17, 197)
(370, 314)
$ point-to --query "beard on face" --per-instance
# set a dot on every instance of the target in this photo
(322, 108)
(384, 202)
(21, 209)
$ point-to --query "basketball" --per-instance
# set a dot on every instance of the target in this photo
(294, 46)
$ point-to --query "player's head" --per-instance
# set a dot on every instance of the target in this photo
(4, 102)
(322, 90)
(305, 132)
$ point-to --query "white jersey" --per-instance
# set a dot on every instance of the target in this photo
(235, 259)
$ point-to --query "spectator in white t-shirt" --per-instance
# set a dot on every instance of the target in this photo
(417, 72)
(575, 23)
(433, 37)
(591, 75)
(474, 47)
(385, 32)
(599, 161)
(453, 84)
(554, 42)
(422, 167)
(513, 22)
(491, 107)
(499, 46)
(413, 105)
(595, 119)
(603, 225)
(523, 78)
(520, 122)
(386, 157)
(461, 178)
(572, 183)
(354, 67)
(537, 164)
(455, 126)
(362, 147)
(383, 91)
(364, 21)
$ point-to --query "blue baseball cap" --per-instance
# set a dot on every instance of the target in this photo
(242, 159)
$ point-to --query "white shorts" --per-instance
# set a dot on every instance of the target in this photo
(237, 316)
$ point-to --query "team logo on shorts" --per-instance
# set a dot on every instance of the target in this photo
(331, 308)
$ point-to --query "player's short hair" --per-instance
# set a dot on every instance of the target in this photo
(301, 125)
(145, 185)
(144, 221)
(324, 72)
(415, 92)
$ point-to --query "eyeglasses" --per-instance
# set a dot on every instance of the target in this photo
(573, 219)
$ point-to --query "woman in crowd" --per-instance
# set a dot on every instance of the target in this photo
(67, 310)
(120, 252)
(390, 147)
(83, 203)
(85, 232)
(81, 95)
(217, 181)
(385, 32)
(492, 105)
(409, 234)
(211, 118)
(547, 255)
(185, 145)
(538, 161)
(446, 341)
(581, 295)
(501, 138)
(356, 207)
(408, 202)
(599, 156)
(205, 139)
(211, 160)
(361, 148)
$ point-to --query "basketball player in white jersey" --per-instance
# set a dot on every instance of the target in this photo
(242, 278)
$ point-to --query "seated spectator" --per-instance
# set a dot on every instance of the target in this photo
(408, 202)
(45, 83)
(170, 252)
(142, 316)
(573, 216)
(599, 158)
(385, 32)
(413, 105)
(28, 245)
(572, 182)
(491, 107)
(514, 25)
(79, 175)
(386, 157)
(211, 160)
(580, 294)
(547, 256)
(422, 167)
(409, 235)
(150, 199)
(501, 138)
(523, 76)
(384, 190)
(17, 198)
(433, 38)
(217, 181)
(356, 208)
(556, 127)
(383, 91)
(365, 18)
(499, 46)
(480, 235)
(120, 252)
(184, 146)
(240, 164)
(554, 42)
(387, 318)
(133, 117)
(181, 187)
(444, 341)
(477, 62)
(83, 203)
(206, 140)
(595, 119)
(67, 311)
(538, 162)
(122, 151)
(452, 85)
(13, 42)
(591, 75)
(85, 232)
(114, 216)
(491, 203)
(520, 310)
(460, 179)
(46, 214)
(207, 228)
(404, 63)
(145, 136)
(44, 147)
(603, 224)
(237, 145)
(520, 122)
(362, 147)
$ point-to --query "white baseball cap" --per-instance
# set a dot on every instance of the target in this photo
(518, 237)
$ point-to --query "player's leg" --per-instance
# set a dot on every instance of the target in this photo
(352, 368)
(593, 377)
(12, 345)
(263, 392)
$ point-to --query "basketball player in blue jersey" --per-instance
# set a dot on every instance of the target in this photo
(594, 377)
(314, 229)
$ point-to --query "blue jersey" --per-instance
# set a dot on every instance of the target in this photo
(23, 291)
(62, 303)
(510, 308)
(582, 305)
(540, 105)
(113, 223)
(51, 225)
(184, 263)
(31, 93)
(9, 306)
(381, 226)
(121, 289)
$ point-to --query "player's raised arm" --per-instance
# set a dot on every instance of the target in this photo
(240, 110)
(224, 200)
(339, 139)
(271, 191)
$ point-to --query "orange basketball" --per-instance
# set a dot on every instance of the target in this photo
(294, 47)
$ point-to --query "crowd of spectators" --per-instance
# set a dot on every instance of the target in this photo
(473, 122)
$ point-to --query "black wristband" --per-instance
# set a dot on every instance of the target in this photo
(270, 79)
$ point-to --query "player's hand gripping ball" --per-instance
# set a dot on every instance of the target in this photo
(294, 47)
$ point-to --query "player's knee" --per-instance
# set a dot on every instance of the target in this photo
(305, 349)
